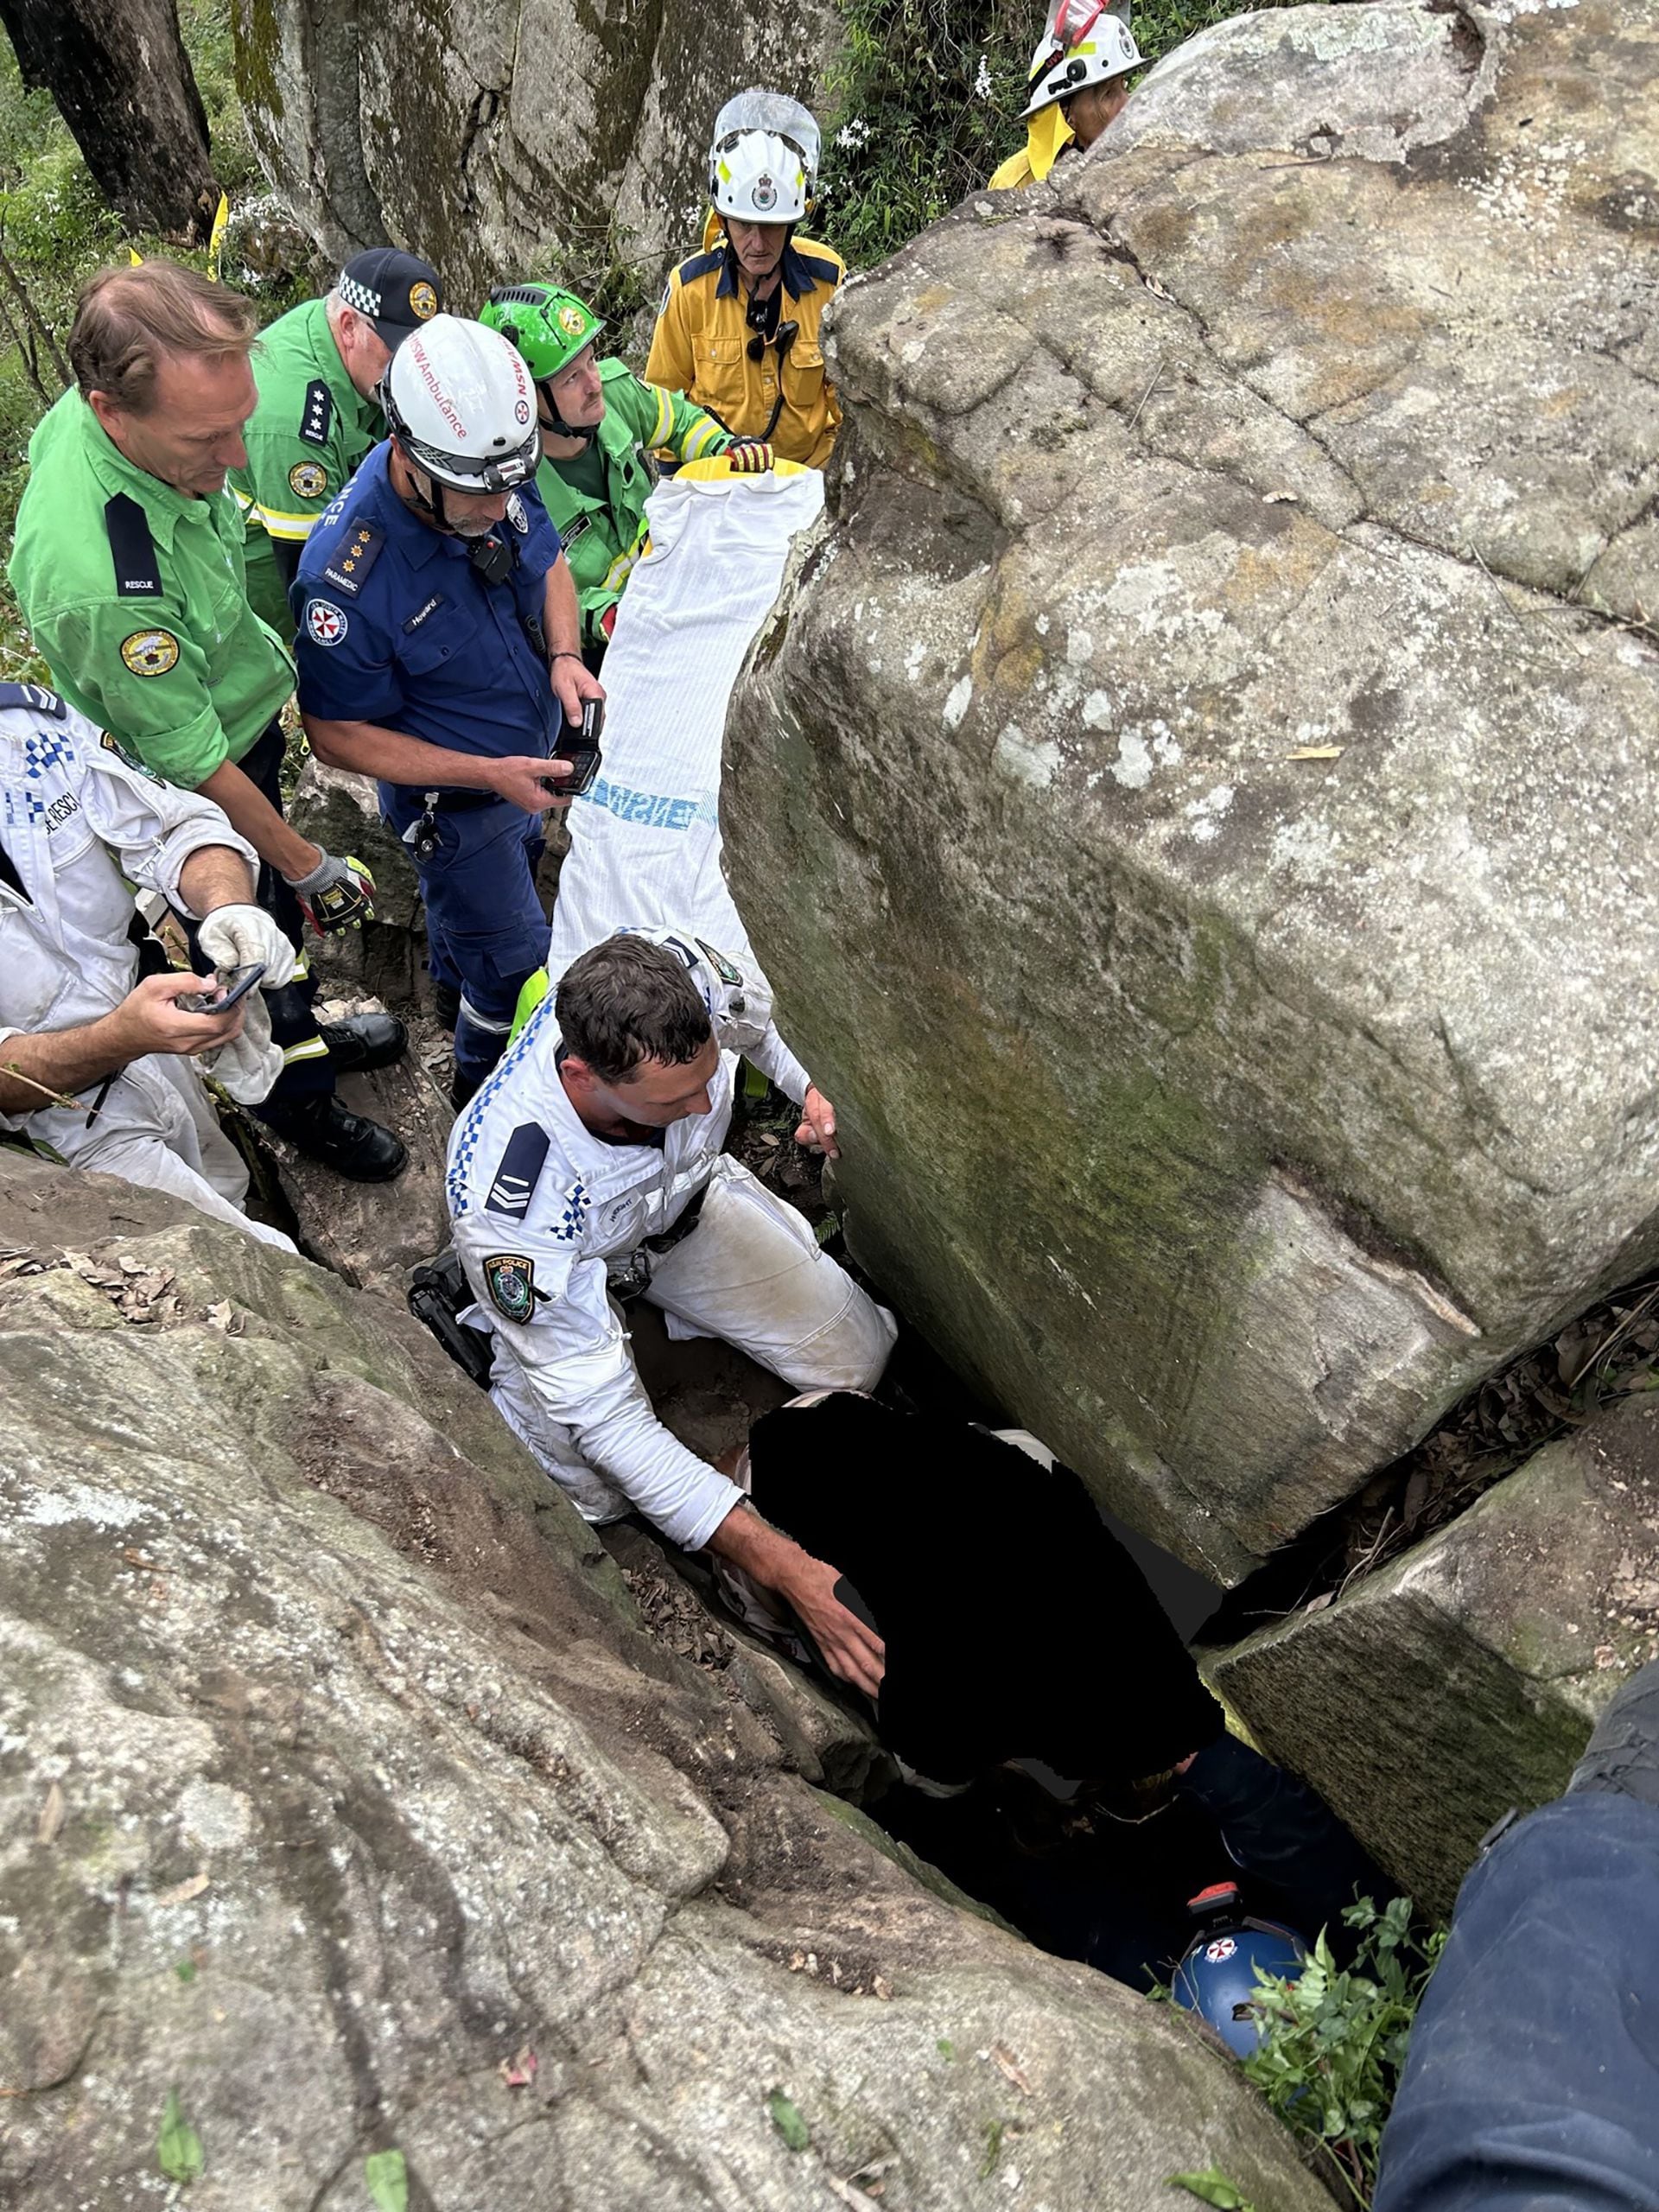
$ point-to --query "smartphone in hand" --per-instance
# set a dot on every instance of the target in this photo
(234, 984)
(579, 745)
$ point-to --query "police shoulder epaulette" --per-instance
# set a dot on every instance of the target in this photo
(520, 1170)
(34, 696)
(822, 271)
(701, 265)
(317, 415)
(137, 572)
(355, 555)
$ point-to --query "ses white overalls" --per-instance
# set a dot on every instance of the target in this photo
(75, 818)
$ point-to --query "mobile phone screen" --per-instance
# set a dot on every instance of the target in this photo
(234, 984)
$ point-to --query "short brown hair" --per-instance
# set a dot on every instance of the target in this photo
(626, 1000)
(129, 321)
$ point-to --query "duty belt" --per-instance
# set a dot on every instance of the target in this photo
(421, 834)
(627, 1277)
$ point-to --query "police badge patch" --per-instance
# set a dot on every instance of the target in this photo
(510, 1281)
(308, 480)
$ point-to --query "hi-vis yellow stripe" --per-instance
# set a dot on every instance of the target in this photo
(312, 1049)
(278, 524)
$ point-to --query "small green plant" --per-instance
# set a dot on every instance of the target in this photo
(178, 2150)
(1334, 2041)
(1214, 2188)
(387, 2179)
(786, 2118)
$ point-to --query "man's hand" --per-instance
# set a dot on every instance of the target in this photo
(850, 1649)
(572, 685)
(817, 1131)
(336, 895)
(150, 1019)
(242, 936)
(750, 456)
(523, 779)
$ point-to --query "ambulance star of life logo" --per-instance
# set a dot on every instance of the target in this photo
(1222, 1948)
(325, 622)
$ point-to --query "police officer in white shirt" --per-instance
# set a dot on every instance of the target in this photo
(96, 1051)
(590, 1164)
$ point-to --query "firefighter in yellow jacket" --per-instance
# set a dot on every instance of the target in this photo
(1079, 83)
(738, 332)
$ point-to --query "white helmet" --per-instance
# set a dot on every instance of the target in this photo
(1086, 43)
(458, 403)
(785, 118)
(758, 177)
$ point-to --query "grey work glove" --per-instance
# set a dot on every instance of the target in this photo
(246, 937)
(248, 1066)
(336, 895)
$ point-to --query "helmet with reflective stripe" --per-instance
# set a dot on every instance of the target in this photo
(757, 109)
(1086, 44)
(549, 325)
(460, 405)
(759, 178)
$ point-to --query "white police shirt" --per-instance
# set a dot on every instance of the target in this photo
(540, 1205)
(75, 817)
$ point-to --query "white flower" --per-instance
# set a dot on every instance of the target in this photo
(982, 89)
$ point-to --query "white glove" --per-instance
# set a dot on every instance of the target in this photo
(239, 936)
(251, 1063)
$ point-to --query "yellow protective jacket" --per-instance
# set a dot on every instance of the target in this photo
(1048, 137)
(701, 347)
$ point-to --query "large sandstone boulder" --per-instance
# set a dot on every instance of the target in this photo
(506, 141)
(1198, 797)
(343, 1794)
(1464, 1677)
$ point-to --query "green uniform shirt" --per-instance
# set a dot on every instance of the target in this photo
(134, 593)
(602, 537)
(304, 439)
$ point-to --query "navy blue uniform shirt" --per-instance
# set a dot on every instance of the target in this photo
(397, 627)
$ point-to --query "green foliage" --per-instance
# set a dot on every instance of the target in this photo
(178, 2152)
(1334, 2043)
(786, 2118)
(926, 102)
(1214, 2188)
(387, 2176)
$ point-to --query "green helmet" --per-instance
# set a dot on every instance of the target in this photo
(547, 325)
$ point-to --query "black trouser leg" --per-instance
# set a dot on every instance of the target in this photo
(308, 1071)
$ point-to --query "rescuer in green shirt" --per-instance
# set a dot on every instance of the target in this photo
(127, 563)
(598, 423)
(317, 368)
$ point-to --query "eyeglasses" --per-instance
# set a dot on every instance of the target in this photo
(787, 333)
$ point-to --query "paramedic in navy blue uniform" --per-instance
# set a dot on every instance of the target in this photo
(439, 650)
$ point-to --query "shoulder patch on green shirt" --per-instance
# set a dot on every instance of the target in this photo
(317, 415)
(355, 557)
(308, 480)
(151, 653)
(137, 573)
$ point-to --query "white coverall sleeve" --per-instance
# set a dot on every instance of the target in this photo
(573, 1355)
(151, 827)
(739, 999)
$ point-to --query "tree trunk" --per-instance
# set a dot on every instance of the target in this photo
(122, 83)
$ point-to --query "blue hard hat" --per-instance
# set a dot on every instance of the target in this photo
(1216, 1978)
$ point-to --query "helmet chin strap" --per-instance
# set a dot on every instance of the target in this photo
(417, 499)
(556, 423)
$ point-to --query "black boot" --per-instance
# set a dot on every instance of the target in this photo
(446, 1004)
(1622, 1754)
(325, 1128)
(365, 1041)
(1278, 1829)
